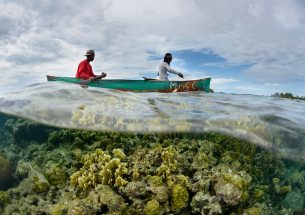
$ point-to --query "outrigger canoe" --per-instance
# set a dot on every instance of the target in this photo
(146, 85)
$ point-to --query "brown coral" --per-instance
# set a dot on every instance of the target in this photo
(5, 170)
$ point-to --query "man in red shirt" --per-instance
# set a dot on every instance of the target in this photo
(84, 70)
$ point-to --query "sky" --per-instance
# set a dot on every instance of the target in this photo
(245, 46)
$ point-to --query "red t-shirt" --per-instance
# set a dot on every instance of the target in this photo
(84, 70)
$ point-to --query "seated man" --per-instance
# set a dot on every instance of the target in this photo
(164, 68)
(84, 70)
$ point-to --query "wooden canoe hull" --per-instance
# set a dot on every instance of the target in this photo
(141, 85)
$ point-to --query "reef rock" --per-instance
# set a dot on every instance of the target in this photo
(205, 204)
(106, 200)
(231, 186)
(33, 181)
(228, 192)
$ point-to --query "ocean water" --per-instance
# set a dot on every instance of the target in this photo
(275, 124)
(258, 170)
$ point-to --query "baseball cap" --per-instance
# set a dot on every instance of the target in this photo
(89, 52)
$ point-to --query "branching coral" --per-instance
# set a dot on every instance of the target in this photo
(100, 168)
(169, 165)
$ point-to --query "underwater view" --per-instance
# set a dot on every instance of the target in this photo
(69, 150)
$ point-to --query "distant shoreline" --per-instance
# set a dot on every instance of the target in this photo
(287, 95)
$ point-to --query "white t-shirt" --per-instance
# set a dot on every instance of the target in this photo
(163, 69)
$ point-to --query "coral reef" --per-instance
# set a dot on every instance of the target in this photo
(89, 172)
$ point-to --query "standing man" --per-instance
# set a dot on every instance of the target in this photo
(84, 70)
(165, 67)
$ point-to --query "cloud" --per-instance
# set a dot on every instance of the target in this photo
(272, 85)
(51, 36)
(224, 84)
(220, 81)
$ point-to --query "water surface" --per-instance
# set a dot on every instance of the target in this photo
(275, 124)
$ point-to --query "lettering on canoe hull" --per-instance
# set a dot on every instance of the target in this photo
(184, 86)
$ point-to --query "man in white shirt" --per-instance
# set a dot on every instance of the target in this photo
(164, 68)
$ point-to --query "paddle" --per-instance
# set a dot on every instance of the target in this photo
(180, 75)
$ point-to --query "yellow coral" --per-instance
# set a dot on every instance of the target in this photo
(4, 198)
(253, 211)
(280, 189)
(118, 153)
(155, 181)
(182, 179)
(180, 197)
(59, 209)
(100, 168)
(258, 194)
(152, 208)
(168, 166)
(285, 189)
(135, 174)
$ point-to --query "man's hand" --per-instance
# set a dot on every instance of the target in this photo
(180, 75)
(103, 75)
